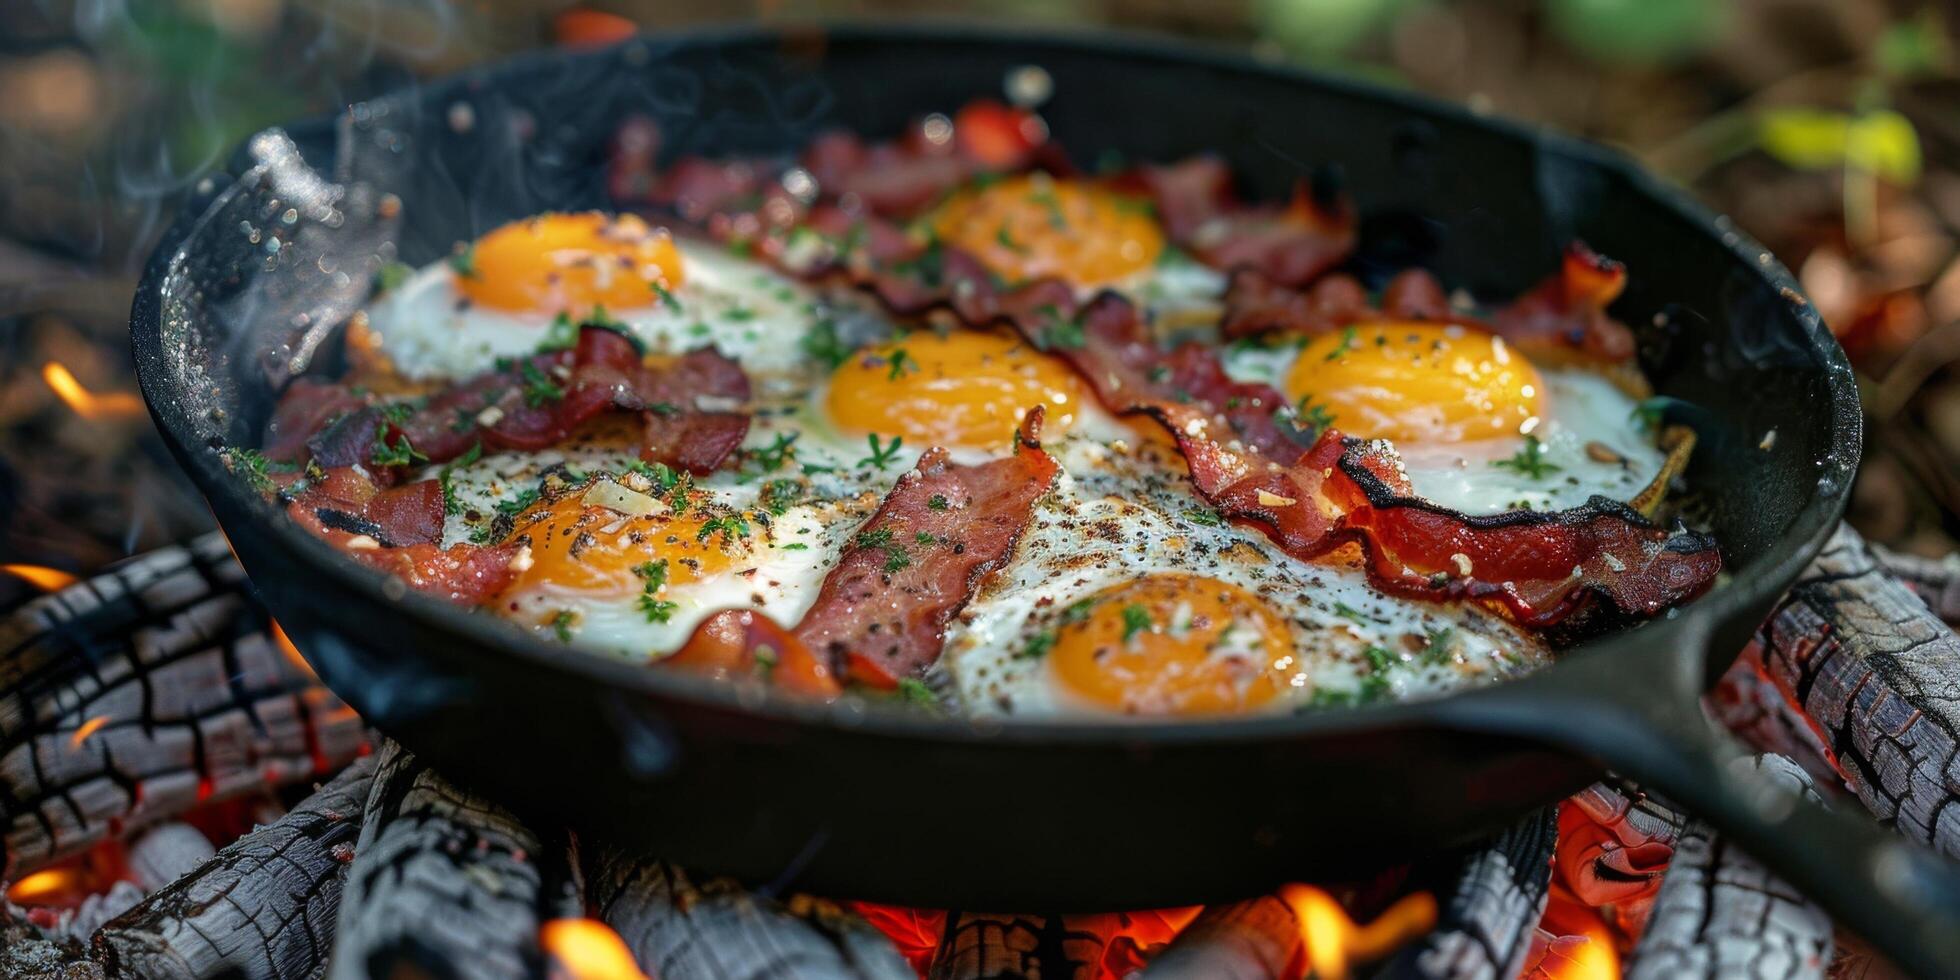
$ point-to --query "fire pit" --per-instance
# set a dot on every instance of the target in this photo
(162, 742)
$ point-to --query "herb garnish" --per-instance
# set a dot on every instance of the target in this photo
(771, 458)
(1440, 647)
(561, 624)
(1346, 611)
(666, 295)
(1312, 419)
(822, 344)
(914, 691)
(399, 454)
(1346, 344)
(1136, 619)
(451, 504)
(391, 275)
(1529, 461)
(653, 576)
(464, 261)
(937, 502)
(881, 456)
(896, 557)
(1059, 332)
(538, 387)
(730, 526)
(1037, 646)
(901, 363)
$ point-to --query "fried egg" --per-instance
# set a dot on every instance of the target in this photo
(1479, 427)
(504, 294)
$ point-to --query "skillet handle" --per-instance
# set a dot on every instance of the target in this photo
(1641, 716)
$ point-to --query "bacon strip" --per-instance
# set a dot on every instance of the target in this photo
(882, 612)
(1564, 314)
(1291, 244)
(397, 530)
(532, 403)
(1538, 567)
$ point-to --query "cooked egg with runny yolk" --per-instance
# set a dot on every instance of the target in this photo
(570, 263)
(1173, 644)
(1035, 226)
(964, 389)
(585, 548)
(1417, 383)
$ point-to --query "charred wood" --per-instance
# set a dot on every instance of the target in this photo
(717, 930)
(1484, 929)
(1251, 940)
(1719, 914)
(985, 946)
(131, 696)
(1936, 581)
(443, 883)
(262, 907)
(1879, 675)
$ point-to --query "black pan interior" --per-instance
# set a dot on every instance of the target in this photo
(770, 787)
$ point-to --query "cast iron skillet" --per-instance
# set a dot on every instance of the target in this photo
(867, 800)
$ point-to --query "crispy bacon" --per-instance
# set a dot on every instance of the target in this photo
(1538, 567)
(1564, 314)
(532, 403)
(1291, 244)
(397, 530)
(1255, 303)
(881, 614)
(883, 609)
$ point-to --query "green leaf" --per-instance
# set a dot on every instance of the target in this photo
(1881, 142)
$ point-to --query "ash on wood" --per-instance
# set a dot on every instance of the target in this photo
(264, 906)
(134, 695)
(1483, 930)
(1879, 674)
(443, 883)
(718, 931)
(1936, 581)
(1719, 914)
(1249, 940)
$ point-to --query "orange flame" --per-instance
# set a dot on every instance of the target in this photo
(87, 404)
(1575, 943)
(86, 729)
(54, 886)
(587, 949)
(285, 644)
(1333, 941)
(40, 576)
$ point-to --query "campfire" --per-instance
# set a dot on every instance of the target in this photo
(184, 798)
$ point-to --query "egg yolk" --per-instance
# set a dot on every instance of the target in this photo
(581, 547)
(570, 263)
(1417, 383)
(1029, 227)
(1173, 645)
(967, 388)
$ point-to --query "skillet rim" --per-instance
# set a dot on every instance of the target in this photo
(1798, 542)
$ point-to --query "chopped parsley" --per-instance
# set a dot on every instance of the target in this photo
(666, 295)
(1059, 332)
(1076, 612)
(451, 504)
(1440, 647)
(464, 261)
(822, 343)
(937, 502)
(1529, 461)
(739, 314)
(929, 265)
(561, 335)
(1136, 619)
(1346, 344)
(730, 526)
(398, 412)
(1005, 239)
(1045, 197)
(1650, 412)
(881, 455)
(1346, 611)
(1312, 419)
(1037, 646)
(1208, 518)
(901, 362)
(778, 496)
(399, 454)
(653, 576)
(771, 458)
(925, 537)
(538, 386)
(253, 467)
(515, 505)
(1380, 660)
(896, 557)
(911, 690)
(561, 624)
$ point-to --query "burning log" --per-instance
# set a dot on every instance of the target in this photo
(980, 945)
(136, 694)
(443, 883)
(719, 931)
(1719, 914)
(1872, 668)
(1250, 940)
(1936, 581)
(264, 906)
(1484, 931)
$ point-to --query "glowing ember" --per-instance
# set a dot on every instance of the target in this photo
(41, 577)
(1333, 941)
(587, 949)
(86, 729)
(87, 404)
(1574, 942)
(54, 886)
